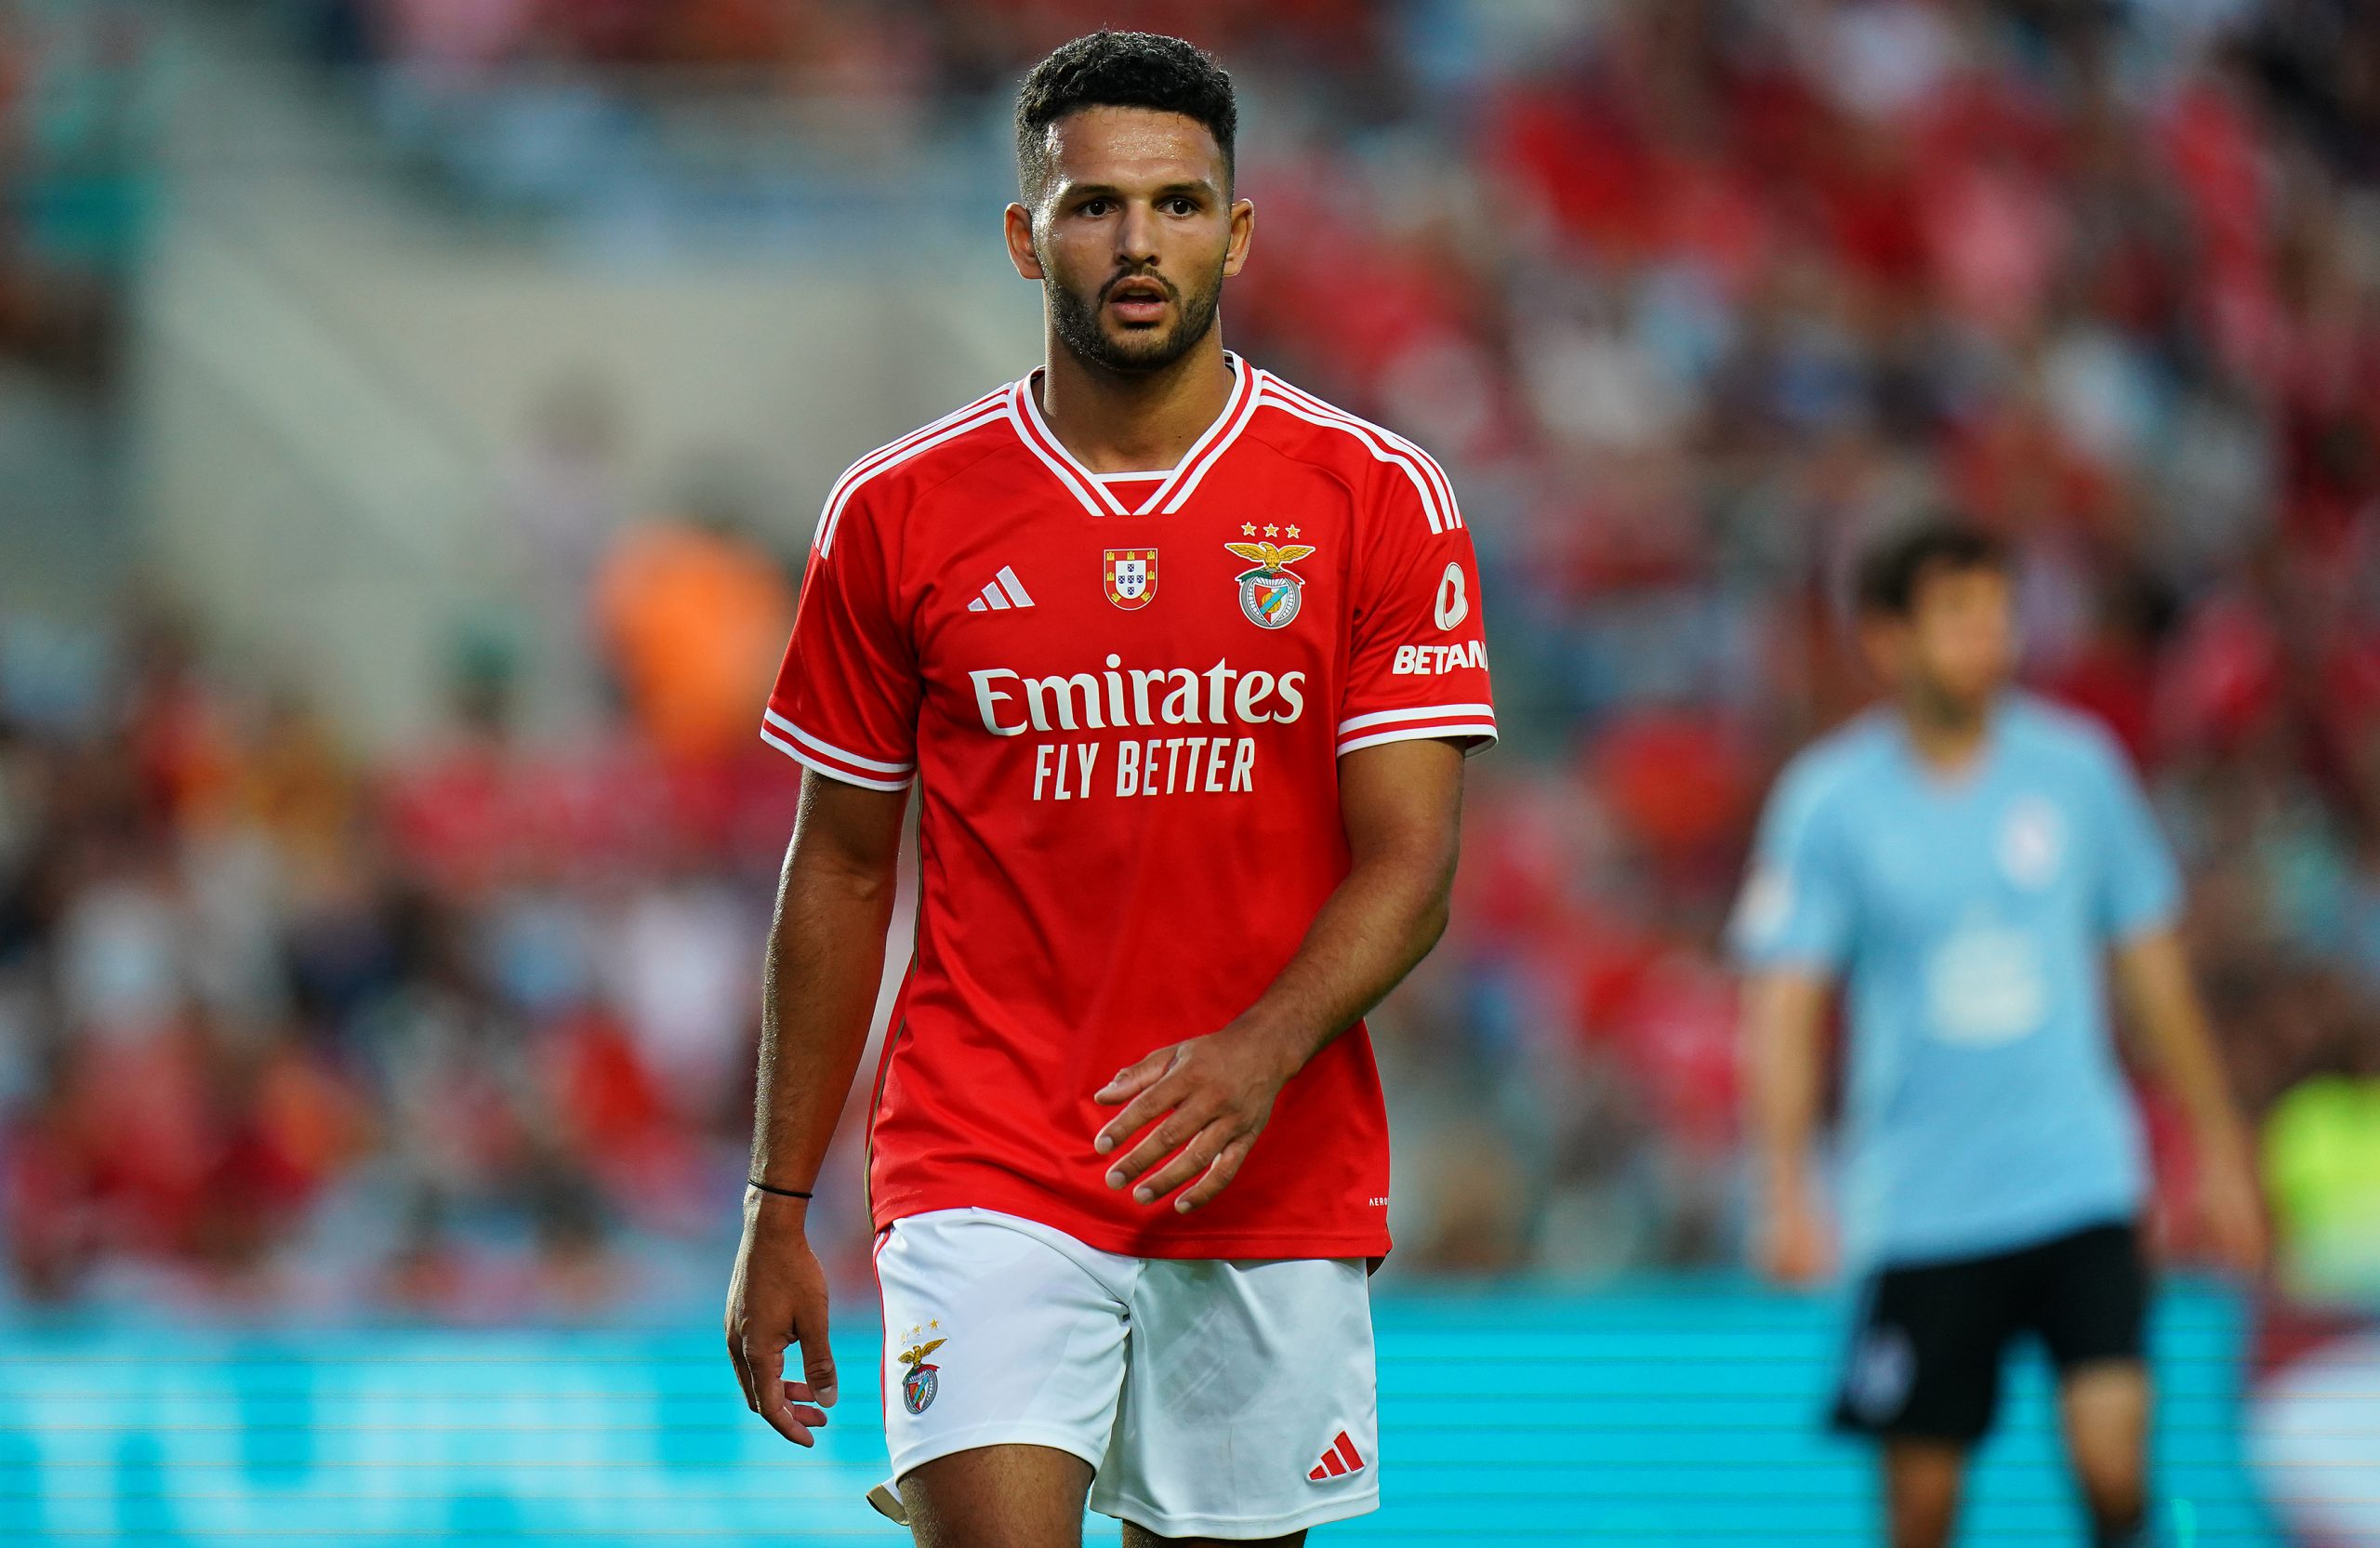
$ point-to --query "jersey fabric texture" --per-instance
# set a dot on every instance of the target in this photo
(1124, 700)
(1970, 914)
(1211, 1398)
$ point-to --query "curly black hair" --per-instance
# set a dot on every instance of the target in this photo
(1109, 69)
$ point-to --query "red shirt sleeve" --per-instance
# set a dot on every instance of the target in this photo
(1418, 659)
(846, 698)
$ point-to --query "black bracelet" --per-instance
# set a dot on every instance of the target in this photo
(781, 1192)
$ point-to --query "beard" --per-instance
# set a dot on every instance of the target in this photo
(1075, 317)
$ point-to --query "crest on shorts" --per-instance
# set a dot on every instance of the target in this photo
(1271, 592)
(1131, 574)
(1883, 1367)
(923, 1381)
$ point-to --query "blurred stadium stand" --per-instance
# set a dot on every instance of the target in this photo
(378, 938)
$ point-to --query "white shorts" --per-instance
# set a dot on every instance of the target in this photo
(1230, 1399)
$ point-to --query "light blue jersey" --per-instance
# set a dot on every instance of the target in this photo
(1970, 916)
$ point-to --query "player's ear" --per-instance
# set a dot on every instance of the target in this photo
(1882, 638)
(1243, 230)
(1018, 223)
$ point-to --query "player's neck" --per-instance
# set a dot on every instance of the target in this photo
(1948, 738)
(1131, 423)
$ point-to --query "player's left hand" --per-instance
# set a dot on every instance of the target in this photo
(1214, 1094)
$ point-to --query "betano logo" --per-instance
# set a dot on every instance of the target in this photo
(1012, 704)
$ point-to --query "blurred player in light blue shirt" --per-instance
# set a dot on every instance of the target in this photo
(1965, 860)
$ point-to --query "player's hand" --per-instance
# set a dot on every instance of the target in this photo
(778, 1297)
(2232, 1211)
(1213, 1095)
(1796, 1248)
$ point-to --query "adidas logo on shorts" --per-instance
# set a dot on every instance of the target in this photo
(1341, 1460)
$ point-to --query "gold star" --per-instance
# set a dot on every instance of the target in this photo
(1293, 532)
(1271, 531)
(1247, 529)
(935, 1323)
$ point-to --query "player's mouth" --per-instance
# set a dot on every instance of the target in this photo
(1140, 301)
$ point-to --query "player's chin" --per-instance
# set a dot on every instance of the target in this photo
(1143, 343)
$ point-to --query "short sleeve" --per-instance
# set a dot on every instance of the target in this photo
(1796, 910)
(1416, 662)
(2140, 886)
(846, 697)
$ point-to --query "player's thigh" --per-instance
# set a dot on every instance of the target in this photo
(1250, 1407)
(2091, 1298)
(2104, 1407)
(1141, 1537)
(2091, 1312)
(999, 1332)
(1925, 1356)
(997, 1496)
(1923, 1481)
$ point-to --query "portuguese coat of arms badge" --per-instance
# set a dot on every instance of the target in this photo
(1131, 574)
(1271, 592)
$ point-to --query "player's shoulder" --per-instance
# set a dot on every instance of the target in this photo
(1837, 765)
(2060, 737)
(1379, 466)
(925, 456)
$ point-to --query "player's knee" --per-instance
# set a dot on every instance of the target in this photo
(1922, 1492)
(1922, 1523)
(2114, 1487)
(2118, 1507)
(2118, 1496)
(2129, 1532)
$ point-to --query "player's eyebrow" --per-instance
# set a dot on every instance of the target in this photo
(1199, 186)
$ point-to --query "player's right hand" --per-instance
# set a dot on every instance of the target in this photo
(778, 1297)
(1795, 1248)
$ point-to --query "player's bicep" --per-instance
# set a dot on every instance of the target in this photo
(1786, 1005)
(1403, 798)
(846, 830)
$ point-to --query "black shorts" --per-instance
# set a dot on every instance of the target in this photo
(1930, 1338)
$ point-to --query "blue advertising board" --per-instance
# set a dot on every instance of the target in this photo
(1671, 1414)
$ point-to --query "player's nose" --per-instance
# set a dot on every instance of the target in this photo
(1136, 235)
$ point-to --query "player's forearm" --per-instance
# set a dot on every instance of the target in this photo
(1781, 1060)
(826, 961)
(2153, 973)
(1382, 921)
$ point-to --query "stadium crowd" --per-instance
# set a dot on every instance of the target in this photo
(1693, 299)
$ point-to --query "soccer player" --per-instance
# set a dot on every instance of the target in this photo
(1183, 662)
(1962, 857)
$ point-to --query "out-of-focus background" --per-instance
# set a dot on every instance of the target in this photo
(412, 417)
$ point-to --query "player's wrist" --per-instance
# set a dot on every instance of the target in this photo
(1280, 1047)
(776, 1200)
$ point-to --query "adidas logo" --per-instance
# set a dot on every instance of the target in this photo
(1341, 1460)
(1001, 594)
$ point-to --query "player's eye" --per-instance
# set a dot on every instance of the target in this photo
(1181, 205)
(1096, 206)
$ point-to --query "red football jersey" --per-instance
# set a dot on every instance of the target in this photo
(1124, 699)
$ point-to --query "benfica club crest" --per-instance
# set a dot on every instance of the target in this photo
(1270, 593)
(923, 1381)
(1132, 577)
